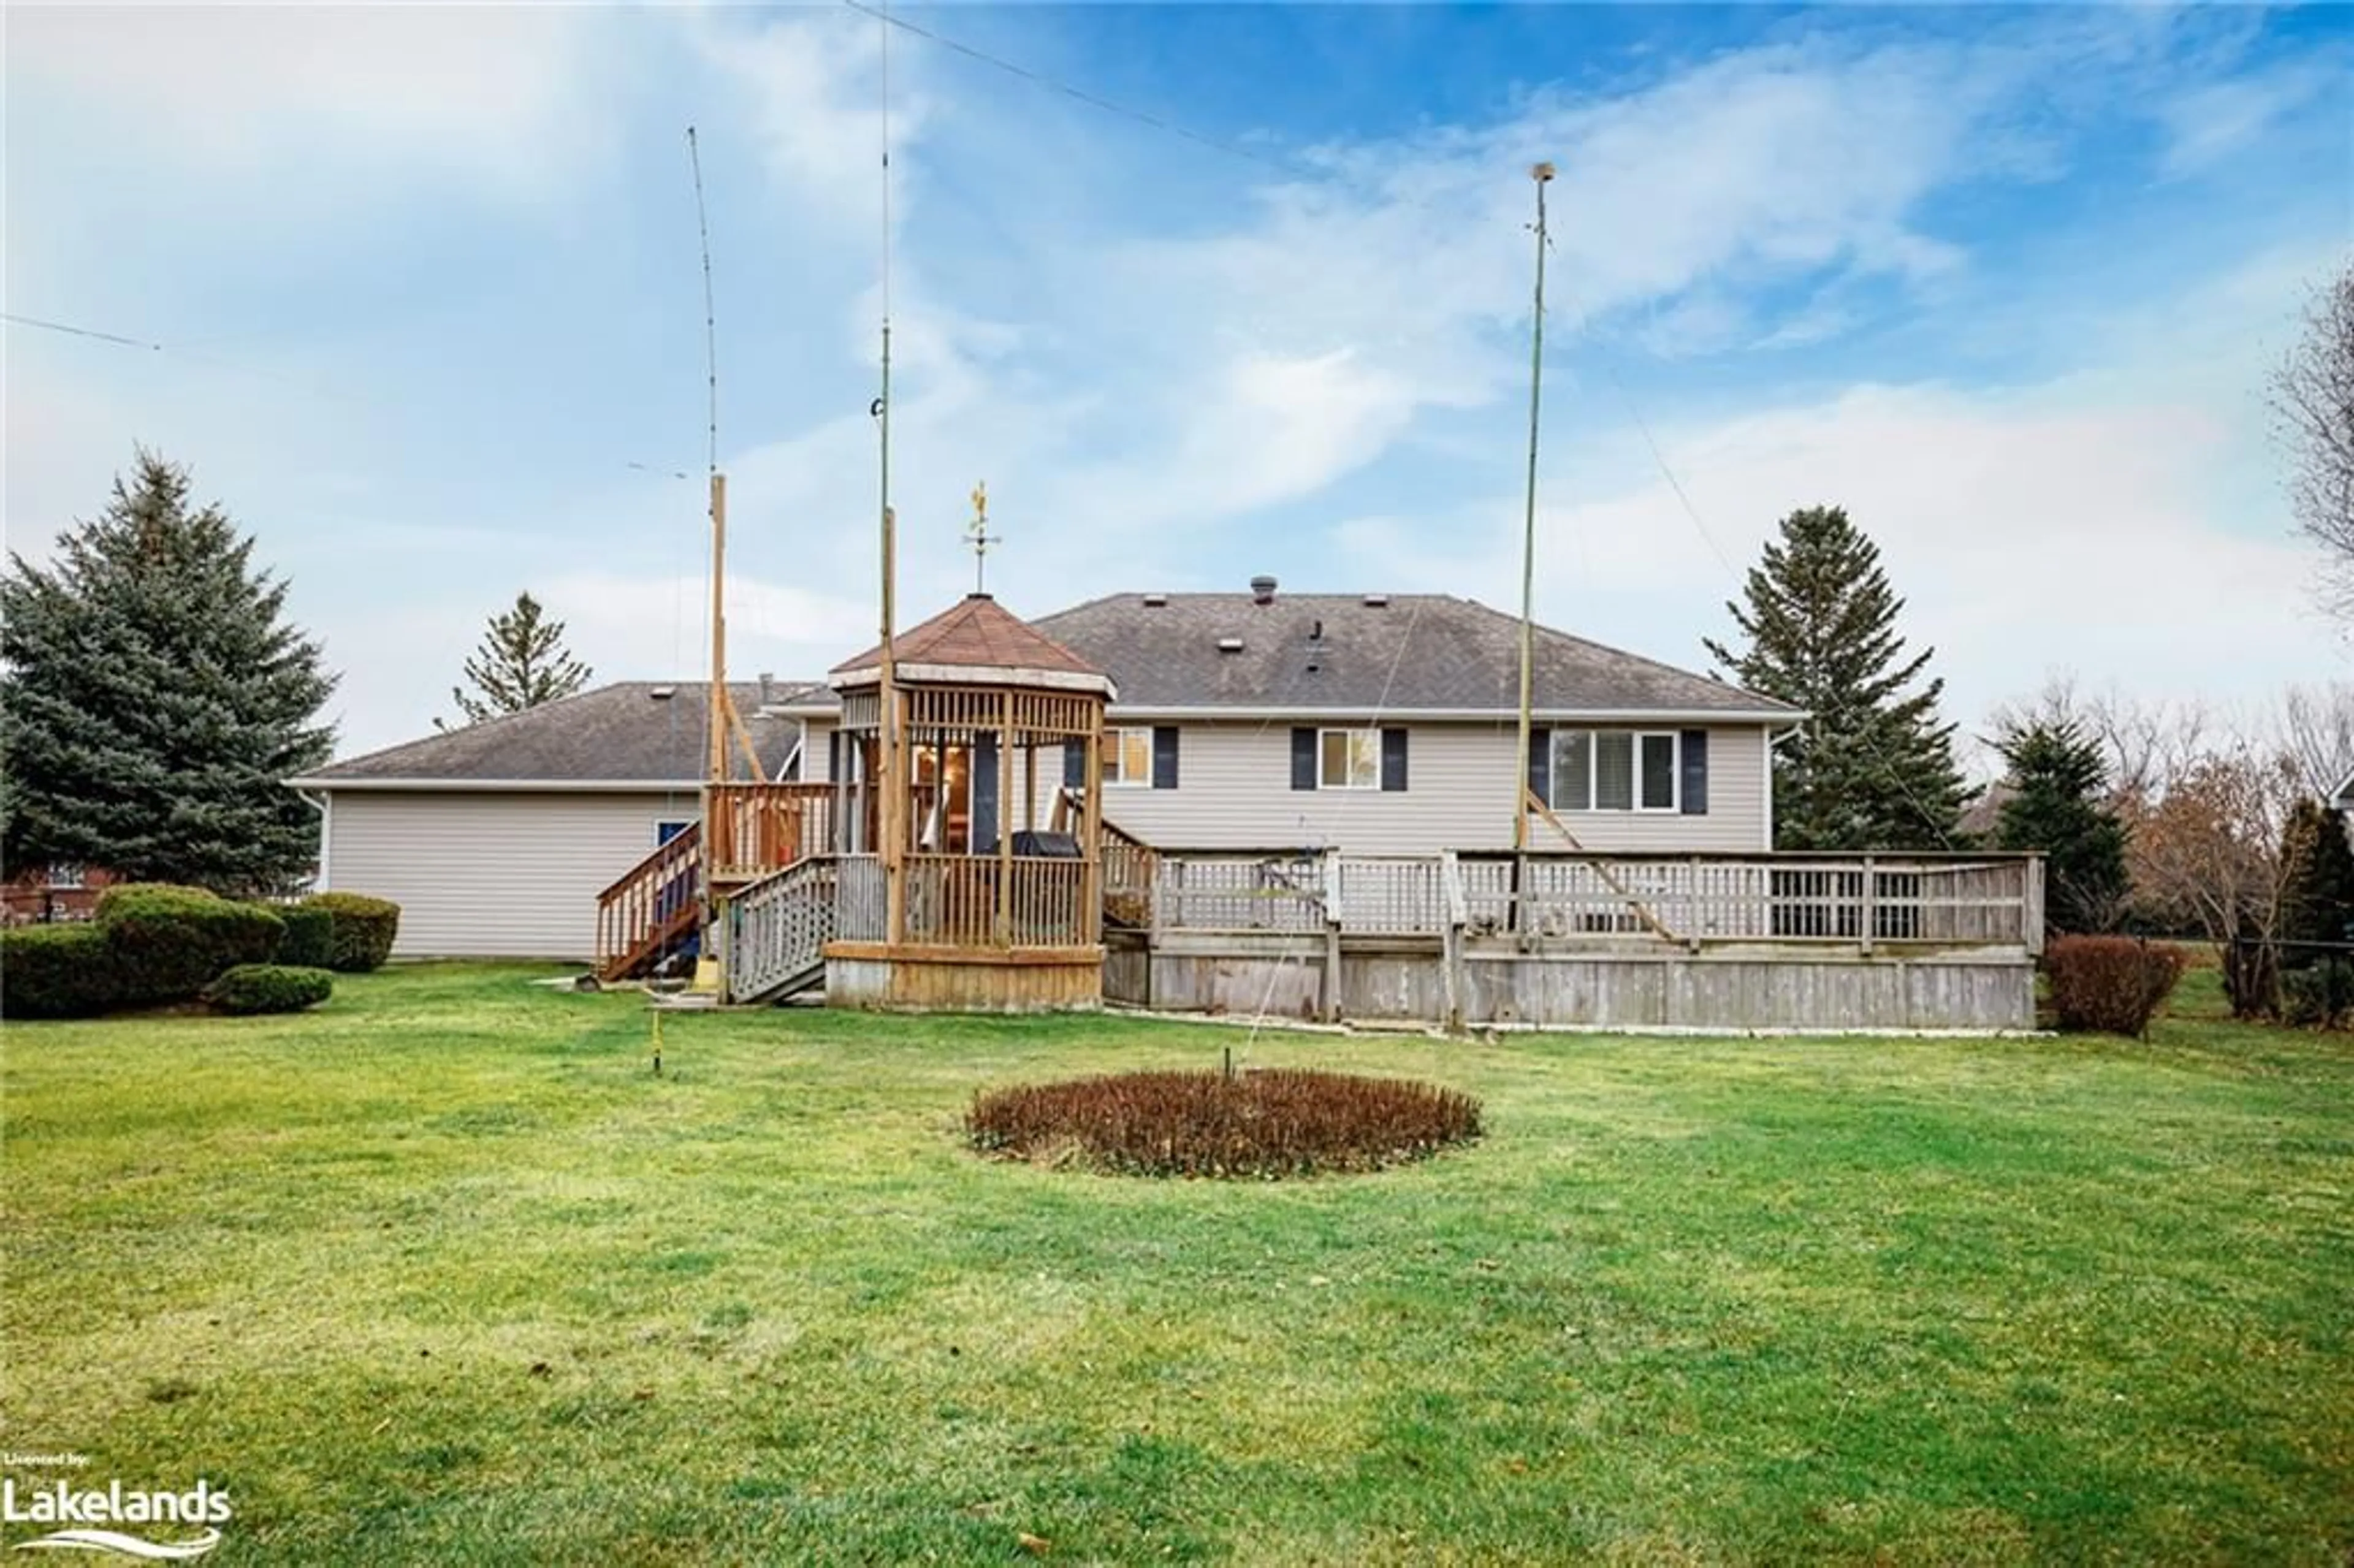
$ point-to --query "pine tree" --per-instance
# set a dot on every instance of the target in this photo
(154, 701)
(2059, 785)
(1872, 769)
(2316, 876)
(522, 664)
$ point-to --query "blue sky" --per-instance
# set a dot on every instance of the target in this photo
(2003, 281)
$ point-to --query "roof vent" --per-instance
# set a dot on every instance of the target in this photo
(1155, 600)
(1262, 590)
(1377, 601)
(1230, 645)
(662, 694)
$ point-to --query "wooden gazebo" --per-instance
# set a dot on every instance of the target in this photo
(957, 744)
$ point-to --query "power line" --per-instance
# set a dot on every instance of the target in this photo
(1068, 89)
(81, 331)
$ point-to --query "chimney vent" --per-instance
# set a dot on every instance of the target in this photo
(1230, 645)
(1262, 590)
(767, 688)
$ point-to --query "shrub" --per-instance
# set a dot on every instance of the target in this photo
(310, 941)
(2111, 983)
(2318, 996)
(269, 987)
(164, 943)
(55, 971)
(363, 929)
(1261, 1123)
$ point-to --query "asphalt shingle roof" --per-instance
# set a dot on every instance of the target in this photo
(615, 733)
(975, 631)
(1412, 652)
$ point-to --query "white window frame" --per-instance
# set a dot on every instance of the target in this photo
(67, 876)
(1593, 773)
(1117, 739)
(682, 823)
(1372, 737)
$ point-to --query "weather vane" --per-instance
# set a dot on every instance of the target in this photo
(978, 535)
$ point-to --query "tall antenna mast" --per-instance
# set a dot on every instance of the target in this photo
(718, 711)
(1543, 174)
(888, 802)
(717, 706)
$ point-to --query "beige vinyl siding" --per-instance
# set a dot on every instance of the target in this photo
(1235, 792)
(493, 874)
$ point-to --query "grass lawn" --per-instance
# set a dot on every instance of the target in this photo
(442, 1274)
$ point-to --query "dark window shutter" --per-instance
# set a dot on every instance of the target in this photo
(1393, 760)
(1303, 759)
(1695, 767)
(1075, 763)
(1541, 764)
(1164, 757)
(833, 755)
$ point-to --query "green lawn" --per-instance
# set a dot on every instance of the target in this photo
(442, 1274)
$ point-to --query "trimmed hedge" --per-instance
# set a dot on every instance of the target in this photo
(269, 987)
(2114, 984)
(55, 971)
(363, 929)
(2319, 995)
(165, 943)
(310, 940)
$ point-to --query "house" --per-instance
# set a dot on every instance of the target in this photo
(1372, 724)
(58, 891)
(1387, 723)
(496, 839)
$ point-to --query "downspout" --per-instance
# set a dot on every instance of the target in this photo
(326, 806)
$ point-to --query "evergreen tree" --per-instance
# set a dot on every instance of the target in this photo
(522, 664)
(155, 702)
(2058, 784)
(1872, 769)
(2317, 876)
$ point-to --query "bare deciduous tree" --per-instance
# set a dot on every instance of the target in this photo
(2315, 727)
(2311, 397)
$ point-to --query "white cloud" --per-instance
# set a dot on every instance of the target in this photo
(494, 89)
(2209, 125)
(814, 83)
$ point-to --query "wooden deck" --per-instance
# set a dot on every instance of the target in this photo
(1569, 940)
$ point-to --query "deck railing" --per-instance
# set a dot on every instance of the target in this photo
(759, 828)
(1859, 901)
(777, 929)
(1031, 901)
(651, 904)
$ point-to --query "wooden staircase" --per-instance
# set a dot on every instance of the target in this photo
(776, 932)
(651, 909)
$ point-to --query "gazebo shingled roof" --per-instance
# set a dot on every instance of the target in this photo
(976, 633)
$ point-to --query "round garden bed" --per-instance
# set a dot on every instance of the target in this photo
(1264, 1123)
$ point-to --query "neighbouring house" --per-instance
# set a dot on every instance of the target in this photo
(1370, 723)
(2341, 801)
(496, 839)
(1387, 723)
(61, 890)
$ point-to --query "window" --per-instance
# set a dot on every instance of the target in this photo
(666, 832)
(66, 874)
(1128, 757)
(1615, 770)
(1349, 759)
